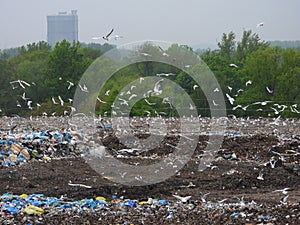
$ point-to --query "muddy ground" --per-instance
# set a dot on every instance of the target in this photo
(228, 177)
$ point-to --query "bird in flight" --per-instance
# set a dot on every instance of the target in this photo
(260, 24)
(21, 82)
(269, 90)
(182, 199)
(107, 36)
(283, 191)
(233, 65)
(165, 74)
(70, 84)
(248, 82)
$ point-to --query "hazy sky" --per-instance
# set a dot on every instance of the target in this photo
(190, 22)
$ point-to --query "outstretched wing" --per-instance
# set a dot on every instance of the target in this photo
(112, 30)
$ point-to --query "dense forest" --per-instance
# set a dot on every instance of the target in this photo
(258, 78)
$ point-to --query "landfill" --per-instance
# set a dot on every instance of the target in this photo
(254, 178)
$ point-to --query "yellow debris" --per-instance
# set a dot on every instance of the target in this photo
(100, 198)
(33, 210)
(23, 196)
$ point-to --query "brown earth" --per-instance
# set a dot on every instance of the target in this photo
(253, 154)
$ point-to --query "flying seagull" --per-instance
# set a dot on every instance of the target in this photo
(182, 199)
(231, 100)
(21, 82)
(165, 74)
(283, 191)
(107, 36)
(260, 24)
(116, 37)
(248, 82)
(70, 84)
(233, 65)
(54, 102)
(269, 90)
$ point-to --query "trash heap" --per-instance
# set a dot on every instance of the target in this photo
(39, 209)
(20, 147)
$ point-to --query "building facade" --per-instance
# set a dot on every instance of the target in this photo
(62, 26)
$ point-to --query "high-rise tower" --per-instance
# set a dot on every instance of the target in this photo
(62, 26)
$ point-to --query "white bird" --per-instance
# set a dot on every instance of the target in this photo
(273, 162)
(204, 196)
(18, 104)
(29, 104)
(79, 185)
(276, 121)
(101, 101)
(106, 37)
(116, 37)
(141, 79)
(73, 109)
(192, 107)
(260, 176)
(23, 96)
(61, 101)
(231, 100)
(260, 24)
(283, 191)
(54, 102)
(261, 103)
(123, 174)
(230, 88)
(240, 90)
(20, 82)
(240, 106)
(215, 104)
(233, 65)
(149, 103)
(182, 199)
(107, 92)
(124, 102)
(70, 84)
(275, 110)
(132, 96)
(157, 86)
(270, 91)
(248, 82)
(284, 200)
(145, 54)
(165, 74)
(83, 88)
(195, 86)
(216, 90)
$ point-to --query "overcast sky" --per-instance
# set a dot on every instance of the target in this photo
(190, 22)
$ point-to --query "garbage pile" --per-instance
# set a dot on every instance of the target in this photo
(20, 147)
(38, 209)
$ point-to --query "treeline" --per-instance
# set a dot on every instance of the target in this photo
(256, 78)
(286, 44)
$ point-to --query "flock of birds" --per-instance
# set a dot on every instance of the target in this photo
(125, 97)
(241, 202)
(109, 36)
(274, 107)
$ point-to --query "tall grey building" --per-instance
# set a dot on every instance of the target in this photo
(62, 26)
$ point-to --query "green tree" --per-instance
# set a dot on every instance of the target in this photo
(227, 45)
(248, 44)
(64, 63)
